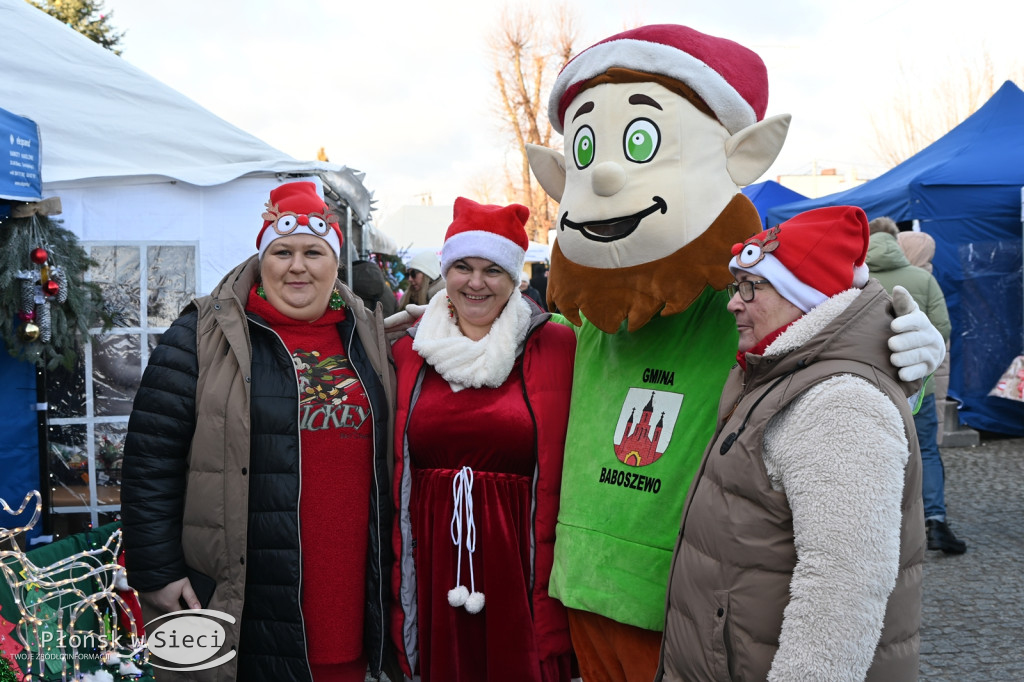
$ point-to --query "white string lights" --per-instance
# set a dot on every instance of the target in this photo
(53, 604)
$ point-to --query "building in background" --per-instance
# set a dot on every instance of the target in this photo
(821, 181)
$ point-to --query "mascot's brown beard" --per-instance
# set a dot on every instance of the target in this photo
(607, 296)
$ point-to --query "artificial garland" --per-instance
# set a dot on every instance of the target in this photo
(7, 671)
(47, 305)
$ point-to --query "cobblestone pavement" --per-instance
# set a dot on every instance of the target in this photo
(973, 611)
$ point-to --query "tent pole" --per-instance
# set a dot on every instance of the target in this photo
(42, 425)
(348, 245)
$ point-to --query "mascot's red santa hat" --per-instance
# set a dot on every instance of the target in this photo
(730, 79)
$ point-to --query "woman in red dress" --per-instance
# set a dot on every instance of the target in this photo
(483, 399)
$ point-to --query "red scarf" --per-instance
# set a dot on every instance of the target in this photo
(760, 346)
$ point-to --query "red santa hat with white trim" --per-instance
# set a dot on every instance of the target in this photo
(729, 78)
(497, 233)
(298, 208)
(810, 257)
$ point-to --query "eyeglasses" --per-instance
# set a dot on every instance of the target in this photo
(745, 288)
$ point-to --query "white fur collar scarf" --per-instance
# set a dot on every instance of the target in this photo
(813, 321)
(465, 363)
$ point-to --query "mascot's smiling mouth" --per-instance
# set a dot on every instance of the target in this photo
(613, 229)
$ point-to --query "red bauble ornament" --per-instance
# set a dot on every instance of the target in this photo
(51, 288)
(26, 316)
(39, 255)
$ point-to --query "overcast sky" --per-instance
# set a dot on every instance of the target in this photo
(403, 90)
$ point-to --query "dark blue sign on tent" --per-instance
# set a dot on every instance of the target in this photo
(20, 177)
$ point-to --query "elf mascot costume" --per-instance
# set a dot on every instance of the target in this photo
(662, 125)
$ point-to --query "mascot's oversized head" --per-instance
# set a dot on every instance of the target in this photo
(662, 124)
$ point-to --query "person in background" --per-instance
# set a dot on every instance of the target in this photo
(527, 290)
(802, 540)
(369, 283)
(539, 281)
(483, 399)
(919, 248)
(889, 265)
(256, 464)
(424, 273)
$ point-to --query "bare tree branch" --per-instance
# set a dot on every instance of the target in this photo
(528, 52)
(918, 115)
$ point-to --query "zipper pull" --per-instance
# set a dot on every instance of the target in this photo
(729, 440)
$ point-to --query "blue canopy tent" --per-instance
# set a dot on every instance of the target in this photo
(767, 194)
(965, 190)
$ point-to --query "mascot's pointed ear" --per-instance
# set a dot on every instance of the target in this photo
(752, 150)
(548, 167)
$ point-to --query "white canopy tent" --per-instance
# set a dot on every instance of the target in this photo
(166, 196)
(133, 159)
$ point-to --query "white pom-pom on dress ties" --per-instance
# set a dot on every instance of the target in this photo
(475, 602)
(462, 497)
(457, 596)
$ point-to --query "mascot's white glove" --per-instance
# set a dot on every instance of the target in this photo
(397, 324)
(917, 347)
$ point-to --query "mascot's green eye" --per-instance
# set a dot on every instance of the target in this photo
(583, 147)
(641, 140)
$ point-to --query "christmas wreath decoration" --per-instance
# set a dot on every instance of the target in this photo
(46, 303)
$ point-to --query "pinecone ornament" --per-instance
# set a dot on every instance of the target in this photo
(26, 281)
(43, 320)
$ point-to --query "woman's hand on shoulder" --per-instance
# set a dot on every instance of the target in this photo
(396, 325)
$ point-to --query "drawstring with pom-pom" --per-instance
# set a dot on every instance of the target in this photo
(462, 496)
